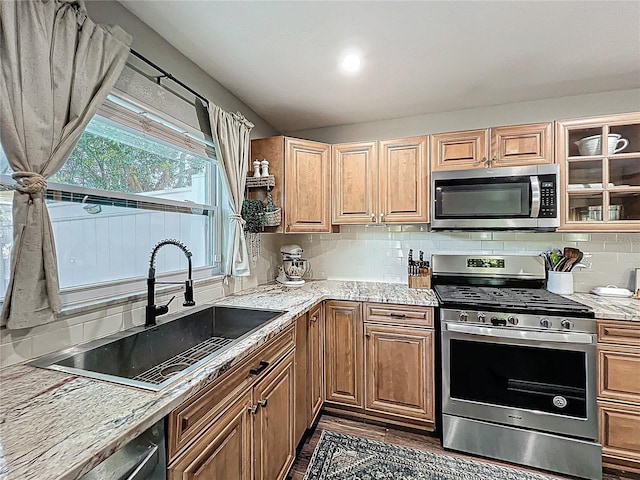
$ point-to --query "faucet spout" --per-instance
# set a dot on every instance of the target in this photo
(152, 310)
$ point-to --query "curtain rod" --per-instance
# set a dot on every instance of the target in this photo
(166, 74)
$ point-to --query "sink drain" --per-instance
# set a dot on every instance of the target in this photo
(170, 370)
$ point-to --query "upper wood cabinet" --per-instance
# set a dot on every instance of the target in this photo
(303, 184)
(493, 147)
(600, 188)
(381, 182)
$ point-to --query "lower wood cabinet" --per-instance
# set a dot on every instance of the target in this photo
(243, 426)
(619, 394)
(380, 363)
(224, 450)
(315, 365)
(273, 436)
(398, 365)
(343, 353)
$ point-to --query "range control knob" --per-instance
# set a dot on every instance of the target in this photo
(545, 322)
(482, 317)
(463, 316)
(512, 320)
(566, 324)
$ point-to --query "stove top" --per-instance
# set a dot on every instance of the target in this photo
(529, 300)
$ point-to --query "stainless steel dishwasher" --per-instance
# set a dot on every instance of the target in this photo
(143, 458)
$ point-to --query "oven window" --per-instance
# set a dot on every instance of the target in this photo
(487, 200)
(531, 378)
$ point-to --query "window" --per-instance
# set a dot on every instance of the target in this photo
(133, 179)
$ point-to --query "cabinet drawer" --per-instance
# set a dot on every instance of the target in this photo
(619, 426)
(188, 420)
(619, 333)
(619, 374)
(398, 314)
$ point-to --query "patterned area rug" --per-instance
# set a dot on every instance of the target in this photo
(343, 457)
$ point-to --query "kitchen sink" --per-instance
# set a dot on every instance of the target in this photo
(154, 357)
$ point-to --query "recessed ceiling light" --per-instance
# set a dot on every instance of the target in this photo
(351, 63)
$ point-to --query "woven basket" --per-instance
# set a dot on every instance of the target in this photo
(272, 219)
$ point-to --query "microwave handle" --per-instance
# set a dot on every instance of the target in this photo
(536, 196)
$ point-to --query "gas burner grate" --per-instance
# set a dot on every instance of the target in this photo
(182, 361)
(507, 298)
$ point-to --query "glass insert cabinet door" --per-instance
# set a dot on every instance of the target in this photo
(600, 171)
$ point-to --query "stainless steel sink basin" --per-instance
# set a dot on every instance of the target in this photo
(155, 357)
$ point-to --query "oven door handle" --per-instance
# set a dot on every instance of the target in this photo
(585, 338)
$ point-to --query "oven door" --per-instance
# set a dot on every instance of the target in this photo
(537, 380)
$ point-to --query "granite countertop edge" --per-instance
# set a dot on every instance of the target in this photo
(59, 426)
(45, 435)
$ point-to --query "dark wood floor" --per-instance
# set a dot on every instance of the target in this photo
(396, 437)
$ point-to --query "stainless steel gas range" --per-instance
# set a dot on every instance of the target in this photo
(518, 365)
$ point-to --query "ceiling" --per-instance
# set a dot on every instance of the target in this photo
(281, 58)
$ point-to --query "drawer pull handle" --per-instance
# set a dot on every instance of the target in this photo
(398, 315)
(261, 368)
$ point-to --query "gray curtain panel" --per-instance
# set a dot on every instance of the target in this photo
(57, 68)
(231, 136)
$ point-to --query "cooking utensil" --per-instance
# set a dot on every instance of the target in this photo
(576, 262)
(570, 255)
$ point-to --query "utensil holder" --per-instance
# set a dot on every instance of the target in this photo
(560, 282)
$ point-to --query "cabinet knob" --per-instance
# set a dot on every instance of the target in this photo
(314, 318)
(368, 335)
(381, 217)
(262, 403)
(485, 160)
(252, 409)
(373, 217)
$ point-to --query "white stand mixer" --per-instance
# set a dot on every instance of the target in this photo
(293, 268)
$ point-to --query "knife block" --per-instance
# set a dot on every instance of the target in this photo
(422, 280)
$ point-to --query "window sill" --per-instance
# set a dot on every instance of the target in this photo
(100, 304)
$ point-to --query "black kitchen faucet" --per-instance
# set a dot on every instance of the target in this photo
(153, 311)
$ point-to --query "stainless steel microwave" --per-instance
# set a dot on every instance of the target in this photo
(496, 198)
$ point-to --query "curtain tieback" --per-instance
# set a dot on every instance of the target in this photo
(29, 182)
(238, 218)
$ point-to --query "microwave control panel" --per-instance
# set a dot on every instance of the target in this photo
(549, 197)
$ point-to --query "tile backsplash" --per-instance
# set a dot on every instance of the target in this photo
(380, 253)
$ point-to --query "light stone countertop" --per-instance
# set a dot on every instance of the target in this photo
(610, 308)
(55, 425)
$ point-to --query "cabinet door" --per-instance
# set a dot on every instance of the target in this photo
(307, 186)
(404, 181)
(460, 150)
(223, 451)
(600, 185)
(399, 371)
(521, 145)
(301, 400)
(355, 183)
(274, 421)
(343, 353)
(619, 374)
(619, 425)
(315, 370)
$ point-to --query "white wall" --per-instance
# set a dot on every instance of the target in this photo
(511, 114)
